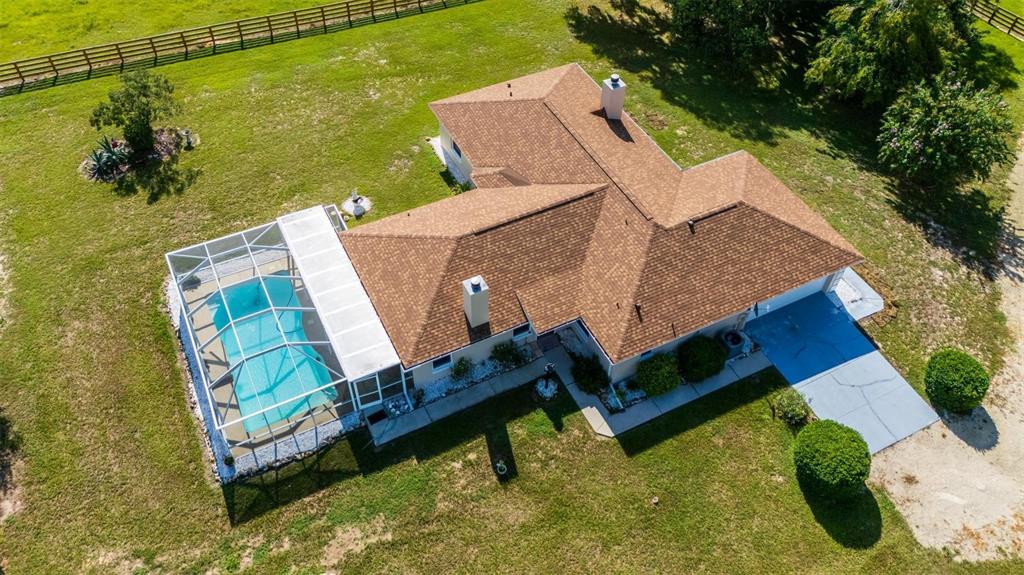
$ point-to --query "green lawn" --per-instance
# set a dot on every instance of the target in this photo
(114, 476)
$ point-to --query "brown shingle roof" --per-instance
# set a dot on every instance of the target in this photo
(579, 216)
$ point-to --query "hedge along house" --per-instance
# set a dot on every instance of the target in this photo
(577, 223)
(579, 220)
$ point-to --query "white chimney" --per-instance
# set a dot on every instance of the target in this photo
(613, 96)
(474, 301)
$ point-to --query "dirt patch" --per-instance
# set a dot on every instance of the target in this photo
(113, 562)
(5, 284)
(349, 540)
(960, 483)
(11, 497)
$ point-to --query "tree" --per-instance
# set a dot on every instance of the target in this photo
(945, 131)
(872, 49)
(143, 99)
(735, 29)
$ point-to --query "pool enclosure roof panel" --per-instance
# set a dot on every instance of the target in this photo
(356, 333)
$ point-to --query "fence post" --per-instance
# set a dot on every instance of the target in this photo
(323, 20)
(18, 72)
(420, 4)
(395, 4)
(1014, 25)
(87, 61)
(120, 56)
(295, 17)
(153, 48)
(241, 37)
(184, 43)
(348, 10)
(373, 15)
(213, 39)
(56, 72)
(271, 27)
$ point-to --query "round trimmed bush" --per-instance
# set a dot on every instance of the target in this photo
(831, 459)
(657, 374)
(955, 381)
(700, 357)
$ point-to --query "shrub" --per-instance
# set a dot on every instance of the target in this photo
(955, 381)
(831, 459)
(789, 406)
(105, 162)
(657, 374)
(700, 357)
(461, 369)
(945, 131)
(589, 374)
(508, 355)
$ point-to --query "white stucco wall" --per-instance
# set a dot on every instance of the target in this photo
(423, 374)
(813, 286)
(458, 164)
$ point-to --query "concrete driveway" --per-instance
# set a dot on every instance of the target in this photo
(819, 349)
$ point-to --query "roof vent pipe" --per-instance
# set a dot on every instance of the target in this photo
(613, 96)
(475, 301)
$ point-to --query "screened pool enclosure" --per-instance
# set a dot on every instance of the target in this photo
(283, 342)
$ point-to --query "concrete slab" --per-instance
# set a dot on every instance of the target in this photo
(679, 396)
(870, 427)
(749, 365)
(855, 295)
(819, 349)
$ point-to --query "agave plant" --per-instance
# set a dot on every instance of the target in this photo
(106, 161)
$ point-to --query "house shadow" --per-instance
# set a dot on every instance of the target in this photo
(157, 179)
(976, 428)
(692, 415)
(356, 455)
(855, 523)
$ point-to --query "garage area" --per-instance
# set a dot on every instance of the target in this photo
(820, 350)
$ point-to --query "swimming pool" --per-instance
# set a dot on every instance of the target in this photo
(274, 376)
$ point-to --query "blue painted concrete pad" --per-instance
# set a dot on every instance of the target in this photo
(819, 349)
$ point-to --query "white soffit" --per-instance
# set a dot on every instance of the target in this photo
(353, 327)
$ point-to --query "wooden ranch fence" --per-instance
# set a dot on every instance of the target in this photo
(85, 63)
(999, 18)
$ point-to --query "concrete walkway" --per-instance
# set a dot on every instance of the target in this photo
(394, 427)
(611, 424)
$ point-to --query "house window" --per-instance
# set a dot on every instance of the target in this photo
(521, 332)
(647, 354)
(455, 148)
(442, 363)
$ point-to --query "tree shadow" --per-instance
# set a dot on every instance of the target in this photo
(157, 179)
(990, 66)
(356, 455)
(975, 428)
(761, 102)
(966, 223)
(10, 445)
(692, 415)
(855, 523)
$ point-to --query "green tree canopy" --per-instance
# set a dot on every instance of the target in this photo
(872, 49)
(736, 29)
(142, 99)
(945, 131)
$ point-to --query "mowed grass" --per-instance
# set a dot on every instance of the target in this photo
(114, 477)
(39, 27)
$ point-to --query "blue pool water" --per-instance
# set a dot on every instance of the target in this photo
(278, 375)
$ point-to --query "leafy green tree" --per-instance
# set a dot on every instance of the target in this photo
(143, 99)
(736, 29)
(872, 49)
(945, 131)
